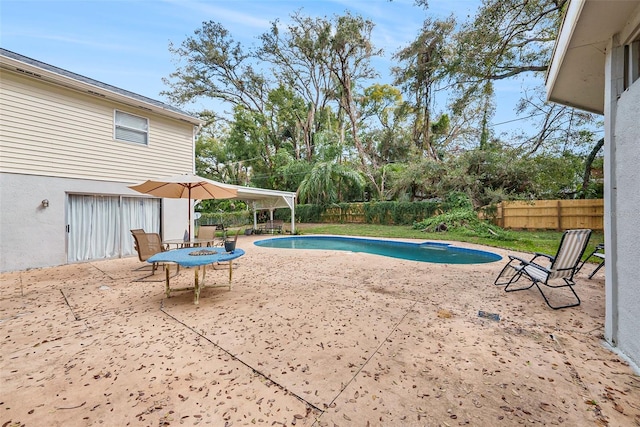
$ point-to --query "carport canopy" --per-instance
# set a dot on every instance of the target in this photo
(264, 199)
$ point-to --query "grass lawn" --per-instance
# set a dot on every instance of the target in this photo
(522, 241)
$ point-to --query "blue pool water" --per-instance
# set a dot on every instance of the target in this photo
(441, 253)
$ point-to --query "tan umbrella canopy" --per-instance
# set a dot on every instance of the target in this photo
(186, 186)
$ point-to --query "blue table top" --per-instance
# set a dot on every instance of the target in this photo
(182, 257)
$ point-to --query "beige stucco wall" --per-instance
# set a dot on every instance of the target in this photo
(56, 131)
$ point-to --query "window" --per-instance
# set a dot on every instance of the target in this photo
(131, 128)
(631, 63)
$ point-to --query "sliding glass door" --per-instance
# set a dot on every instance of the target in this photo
(98, 226)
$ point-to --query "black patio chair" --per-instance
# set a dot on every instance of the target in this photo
(598, 252)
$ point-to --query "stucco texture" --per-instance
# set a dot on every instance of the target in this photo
(33, 236)
(627, 136)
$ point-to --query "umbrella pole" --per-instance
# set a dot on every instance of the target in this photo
(189, 226)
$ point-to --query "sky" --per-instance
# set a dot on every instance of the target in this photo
(125, 43)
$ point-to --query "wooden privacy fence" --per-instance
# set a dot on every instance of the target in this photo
(353, 215)
(551, 214)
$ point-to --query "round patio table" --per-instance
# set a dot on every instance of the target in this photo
(195, 257)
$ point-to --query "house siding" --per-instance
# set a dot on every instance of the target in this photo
(627, 177)
(54, 131)
(56, 139)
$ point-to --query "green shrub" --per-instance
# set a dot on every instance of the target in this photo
(399, 213)
(309, 213)
(228, 219)
(463, 220)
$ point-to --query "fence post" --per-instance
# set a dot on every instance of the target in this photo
(559, 216)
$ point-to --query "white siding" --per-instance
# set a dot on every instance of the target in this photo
(55, 131)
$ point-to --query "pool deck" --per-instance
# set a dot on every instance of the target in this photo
(305, 338)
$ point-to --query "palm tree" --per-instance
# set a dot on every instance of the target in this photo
(324, 182)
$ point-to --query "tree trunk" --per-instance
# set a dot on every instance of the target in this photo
(308, 132)
(587, 167)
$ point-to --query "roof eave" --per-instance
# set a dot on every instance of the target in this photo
(576, 74)
(559, 60)
(563, 39)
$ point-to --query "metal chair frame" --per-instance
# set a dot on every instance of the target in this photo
(563, 266)
(146, 245)
(598, 252)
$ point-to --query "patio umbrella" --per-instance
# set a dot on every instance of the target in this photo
(186, 186)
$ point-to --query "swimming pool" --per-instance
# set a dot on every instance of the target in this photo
(435, 252)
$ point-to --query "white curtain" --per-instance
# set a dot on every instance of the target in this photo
(99, 225)
(138, 212)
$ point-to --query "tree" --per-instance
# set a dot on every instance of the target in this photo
(351, 51)
(210, 156)
(556, 175)
(383, 119)
(558, 127)
(422, 68)
(289, 171)
(505, 39)
(326, 181)
(316, 64)
(298, 55)
(215, 67)
(508, 39)
(586, 177)
(284, 109)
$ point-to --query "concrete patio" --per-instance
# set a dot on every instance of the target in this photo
(306, 338)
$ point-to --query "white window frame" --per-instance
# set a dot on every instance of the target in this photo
(143, 130)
